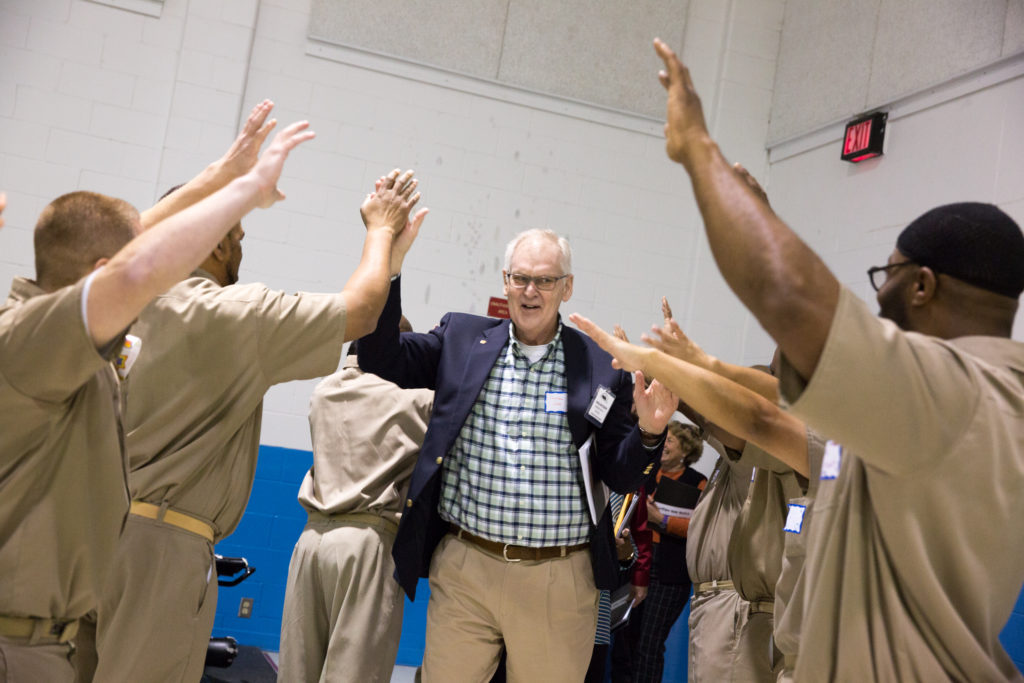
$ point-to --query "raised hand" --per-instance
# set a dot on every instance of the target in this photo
(625, 356)
(685, 118)
(388, 206)
(670, 339)
(268, 169)
(403, 241)
(245, 150)
(654, 403)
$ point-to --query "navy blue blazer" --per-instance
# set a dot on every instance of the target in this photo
(454, 359)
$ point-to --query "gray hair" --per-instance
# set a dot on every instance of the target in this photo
(565, 261)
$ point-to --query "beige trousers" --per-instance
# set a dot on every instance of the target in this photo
(21, 662)
(156, 614)
(544, 613)
(728, 642)
(342, 615)
(756, 660)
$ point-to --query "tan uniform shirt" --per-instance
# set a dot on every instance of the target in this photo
(194, 397)
(719, 505)
(789, 590)
(63, 496)
(757, 539)
(366, 435)
(917, 549)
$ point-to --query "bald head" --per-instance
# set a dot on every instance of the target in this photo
(75, 231)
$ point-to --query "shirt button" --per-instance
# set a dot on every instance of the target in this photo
(439, 459)
(520, 537)
(408, 502)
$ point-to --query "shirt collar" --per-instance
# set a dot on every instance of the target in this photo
(517, 345)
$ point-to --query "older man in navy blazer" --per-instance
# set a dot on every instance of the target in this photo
(531, 423)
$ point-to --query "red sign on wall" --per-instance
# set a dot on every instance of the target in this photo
(498, 307)
(864, 138)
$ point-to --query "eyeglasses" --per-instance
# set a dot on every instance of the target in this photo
(544, 283)
(873, 271)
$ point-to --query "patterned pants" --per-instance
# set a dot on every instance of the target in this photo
(664, 604)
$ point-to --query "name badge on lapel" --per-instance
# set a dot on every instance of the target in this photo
(600, 405)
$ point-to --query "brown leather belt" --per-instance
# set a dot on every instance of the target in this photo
(517, 553)
(39, 630)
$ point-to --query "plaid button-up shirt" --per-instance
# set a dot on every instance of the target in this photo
(513, 474)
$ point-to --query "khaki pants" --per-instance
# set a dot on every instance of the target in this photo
(544, 613)
(156, 614)
(342, 615)
(756, 660)
(22, 662)
(713, 634)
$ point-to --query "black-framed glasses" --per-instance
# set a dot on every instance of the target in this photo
(877, 281)
(545, 283)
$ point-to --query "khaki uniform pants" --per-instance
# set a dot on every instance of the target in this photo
(756, 660)
(155, 618)
(544, 613)
(21, 662)
(728, 642)
(342, 615)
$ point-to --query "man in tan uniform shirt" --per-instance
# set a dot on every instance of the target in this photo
(63, 497)
(917, 551)
(343, 608)
(716, 608)
(194, 407)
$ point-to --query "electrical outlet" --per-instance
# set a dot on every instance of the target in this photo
(245, 608)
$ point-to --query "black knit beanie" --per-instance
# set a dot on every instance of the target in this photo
(971, 241)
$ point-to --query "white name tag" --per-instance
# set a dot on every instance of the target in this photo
(832, 461)
(556, 401)
(795, 518)
(600, 406)
(129, 354)
(674, 511)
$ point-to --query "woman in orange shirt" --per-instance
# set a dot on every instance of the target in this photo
(670, 583)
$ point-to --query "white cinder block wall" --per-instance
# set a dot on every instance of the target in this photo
(101, 98)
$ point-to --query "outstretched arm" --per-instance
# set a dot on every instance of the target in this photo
(161, 256)
(236, 162)
(733, 407)
(385, 213)
(672, 340)
(785, 285)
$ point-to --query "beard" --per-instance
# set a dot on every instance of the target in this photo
(894, 308)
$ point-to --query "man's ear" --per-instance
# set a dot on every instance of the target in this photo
(926, 283)
(567, 292)
(504, 283)
(222, 252)
(100, 262)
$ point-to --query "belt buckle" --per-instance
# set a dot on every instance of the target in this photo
(504, 554)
